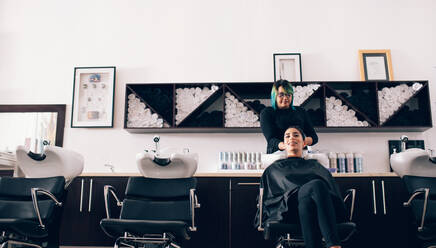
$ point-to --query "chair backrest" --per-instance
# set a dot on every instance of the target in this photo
(415, 182)
(16, 199)
(158, 199)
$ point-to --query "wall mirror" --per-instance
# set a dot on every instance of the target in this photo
(31, 126)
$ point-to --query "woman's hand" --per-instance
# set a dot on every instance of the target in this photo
(282, 146)
(308, 141)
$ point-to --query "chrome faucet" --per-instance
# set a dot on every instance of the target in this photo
(403, 140)
(156, 139)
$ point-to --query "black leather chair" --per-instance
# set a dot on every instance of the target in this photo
(290, 235)
(30, 211)
(423, 205)
(155, 211)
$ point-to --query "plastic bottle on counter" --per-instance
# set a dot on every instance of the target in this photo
(358, 162)
(259, 164)
(222, 163)
(333, 160)
(341, 163)
(350, 162)
(241, 161)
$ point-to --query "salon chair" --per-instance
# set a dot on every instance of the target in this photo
(290, 234)
(154, 211)
(423, 205)
(30, 211)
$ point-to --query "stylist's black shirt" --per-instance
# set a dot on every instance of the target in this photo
(275, 122)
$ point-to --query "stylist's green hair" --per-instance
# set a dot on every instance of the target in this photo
(287, 86)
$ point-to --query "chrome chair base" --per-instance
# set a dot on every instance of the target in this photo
(162, 241)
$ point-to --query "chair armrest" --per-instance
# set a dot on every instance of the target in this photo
(426, 192)
(194, 204)
(34, 193)
(106, 190)
(260, 207)
(352, 193)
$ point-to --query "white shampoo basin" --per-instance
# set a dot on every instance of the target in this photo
(58, 162)
(167, 164)
(413, 162)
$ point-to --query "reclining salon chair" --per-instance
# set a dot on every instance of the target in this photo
(423, 205)
(290, 234)
(30, 211)
(155, 211)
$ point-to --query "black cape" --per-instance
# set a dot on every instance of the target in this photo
(283, 178)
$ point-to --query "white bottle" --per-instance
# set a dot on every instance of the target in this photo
(350, 162)
(333, 160)
(341, 163)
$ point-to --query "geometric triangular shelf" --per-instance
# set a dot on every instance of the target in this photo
(140, 115)
(238, 113)
(392, 99)
(302, 93)
(189, 98)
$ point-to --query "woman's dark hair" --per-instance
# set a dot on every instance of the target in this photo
(287, 86)
(299, 130)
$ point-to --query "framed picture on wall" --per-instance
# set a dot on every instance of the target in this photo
(93, 97)
(287, 66)
(375, 65)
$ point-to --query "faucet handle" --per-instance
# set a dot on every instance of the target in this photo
(404, 138)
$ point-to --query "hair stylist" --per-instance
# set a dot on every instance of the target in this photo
(276, 119)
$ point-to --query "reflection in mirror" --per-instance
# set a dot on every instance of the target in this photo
(32, 130)
(32, 126)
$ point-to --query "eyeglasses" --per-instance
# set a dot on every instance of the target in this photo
(281, 95)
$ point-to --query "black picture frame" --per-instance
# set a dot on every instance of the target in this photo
(93, 97)
(287, 66)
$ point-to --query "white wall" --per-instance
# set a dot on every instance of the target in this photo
(205, 41)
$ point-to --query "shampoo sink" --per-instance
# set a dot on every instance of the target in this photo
(413, 162)
(167, 164)
(56, 161)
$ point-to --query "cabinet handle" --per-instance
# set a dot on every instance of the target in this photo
(241, 184)
(90, 196)
(384, 197)
(373, 197)
(81, 196)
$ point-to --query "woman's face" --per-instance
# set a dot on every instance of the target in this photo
(293, 140)
(283, 99)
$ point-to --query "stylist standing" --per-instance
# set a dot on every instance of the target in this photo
(276, 119)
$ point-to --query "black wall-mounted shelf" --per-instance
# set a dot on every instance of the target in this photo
(209, 117)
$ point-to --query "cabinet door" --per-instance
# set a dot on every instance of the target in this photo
(212, 218)
(75, 224)
(380, 218)
(243, 233)
(96, 209)
(84, 209)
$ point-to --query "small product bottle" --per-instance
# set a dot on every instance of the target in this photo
(350, 162)
(222, 163)
(259, 164)
(341, 163)
(241, 161)
(333, 160)
(358, 162)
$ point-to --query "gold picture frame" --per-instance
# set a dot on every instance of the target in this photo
(375, 65)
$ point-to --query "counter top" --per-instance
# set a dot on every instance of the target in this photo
(240, 174)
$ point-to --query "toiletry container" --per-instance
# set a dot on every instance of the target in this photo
(341, 163)
(358, 162)
(350, 162)
(333, 160)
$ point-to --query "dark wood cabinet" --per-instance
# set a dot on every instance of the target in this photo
(228, 208)
(381, 219)
(84, 209)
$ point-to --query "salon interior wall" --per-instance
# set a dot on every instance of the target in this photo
(205, 41)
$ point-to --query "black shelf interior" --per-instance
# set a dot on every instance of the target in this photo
(158, 96)
(208, 114)
(315, 107)
(415, 112)
(361, 95)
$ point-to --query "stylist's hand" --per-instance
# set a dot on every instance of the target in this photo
(308, 141)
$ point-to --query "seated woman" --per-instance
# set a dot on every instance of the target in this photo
(303, 191)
